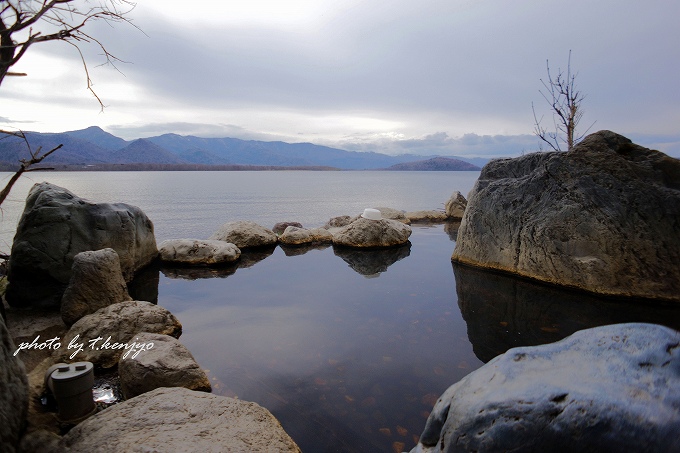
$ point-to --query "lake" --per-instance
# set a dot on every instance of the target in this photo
(349, 350)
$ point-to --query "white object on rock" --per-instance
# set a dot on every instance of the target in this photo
(371, 214)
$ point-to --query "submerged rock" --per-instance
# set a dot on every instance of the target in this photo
(96, 282)
(611, 388)
(13, 393)
(602, 217)
(198, 251)
(168, 364)
(112, 327)
(365, 233)
(427, 216)
(181, 420)
(244, 234)
(302, 236)
(55, 226)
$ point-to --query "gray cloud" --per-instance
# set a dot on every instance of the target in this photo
(450, 76)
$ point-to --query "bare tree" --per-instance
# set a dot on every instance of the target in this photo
(24, 23)
(565, 101)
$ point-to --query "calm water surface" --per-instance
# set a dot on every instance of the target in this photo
(349, 350)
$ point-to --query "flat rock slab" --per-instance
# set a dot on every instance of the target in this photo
(301, 236)
(244, 234)
(168, 364)
(114, 326)
(177, 419)
(365, 233)
(431, 216)
(198, 252)
(602, 217)
(611, 388)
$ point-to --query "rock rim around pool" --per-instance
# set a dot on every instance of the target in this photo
(611, 388)
(367, 233)
(196, 252)
(602, 218)
(167, 364)
(245, 234)
(179, 419)
(55, 226)
(107, 334)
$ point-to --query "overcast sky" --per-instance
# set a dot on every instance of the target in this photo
(449, 77)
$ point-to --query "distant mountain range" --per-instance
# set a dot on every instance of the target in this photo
(94, 147)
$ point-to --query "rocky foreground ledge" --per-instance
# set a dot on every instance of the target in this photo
(611, 388)
(603, 217)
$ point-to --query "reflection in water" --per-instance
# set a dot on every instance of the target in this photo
(503, 312)
(198, 272)
(250, 257)
(451, 229)
(145, 284)
(297, 250)
(373, 262)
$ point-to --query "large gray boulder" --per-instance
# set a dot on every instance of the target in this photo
(611, 388)
(105, 335)
(168, 364)
(366, 233)
(96, 282)
(602, 217)
(198, 252)
(13, 393)
(55, 226)
(178, 419)
(244, 234)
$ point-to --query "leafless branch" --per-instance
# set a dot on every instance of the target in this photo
(24, 23)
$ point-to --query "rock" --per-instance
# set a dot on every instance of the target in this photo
(611, 388)
(455, 206)
(280, 227)
(55, 226)
(394, 214)
(167, 364)
(13, 393)
(244, 234)
(96, 282)
(338, 222)
(115, 326)
(602, 217)
(198, 251)
(426, 216)
(180, 420)
(364, 233)
(301, 236)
